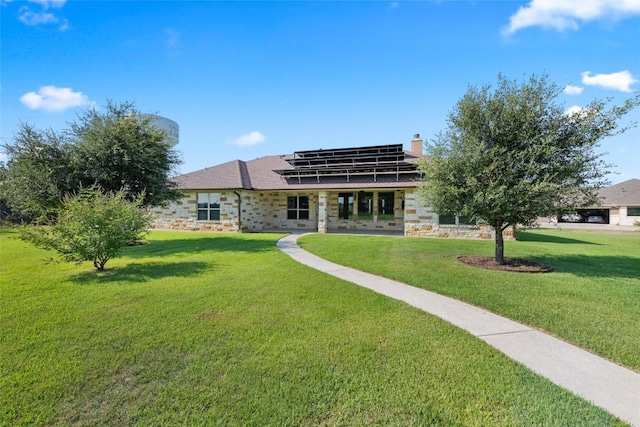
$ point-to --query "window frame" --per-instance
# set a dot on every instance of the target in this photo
(382, 196)
(297, 210)
(210, 210)
(456, 220)
(348, 199)
(633, 210)
(365, 206)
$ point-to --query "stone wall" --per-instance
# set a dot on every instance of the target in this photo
(259, 211)
(183, 214)
(422, 221)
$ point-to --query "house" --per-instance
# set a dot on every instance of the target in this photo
(332, 190)
(620, 203)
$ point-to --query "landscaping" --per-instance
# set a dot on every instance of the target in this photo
(224, 329)
(591, 299)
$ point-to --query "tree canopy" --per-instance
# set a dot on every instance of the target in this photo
(117, 148)
(512, 154)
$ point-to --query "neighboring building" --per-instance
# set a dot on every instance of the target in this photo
(620, 203)
(361, 188)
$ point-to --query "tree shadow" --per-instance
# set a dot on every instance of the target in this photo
(593, 266)
(158, 248)
(141, 272)
(524, 236)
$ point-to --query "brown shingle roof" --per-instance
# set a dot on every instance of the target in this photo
(259, 174)
(626, 193)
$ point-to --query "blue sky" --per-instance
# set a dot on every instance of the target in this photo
(248, 79)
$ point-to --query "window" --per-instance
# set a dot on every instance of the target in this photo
(298, 207)
(455, 220)
(209, 206)
(345, 205)
(365, 206)
(633, 211)
(385, 206)
(446, 220)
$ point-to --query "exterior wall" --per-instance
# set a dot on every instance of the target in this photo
(422, 221)
(268, 211)
(273, 206)
(183, 214)
(259, 211)
(336, 223)
(624, 217)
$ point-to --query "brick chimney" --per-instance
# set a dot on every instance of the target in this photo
(416, 145)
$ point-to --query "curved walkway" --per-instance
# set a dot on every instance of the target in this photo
(603, 383)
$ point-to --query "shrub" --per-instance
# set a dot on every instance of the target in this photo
(91, 226)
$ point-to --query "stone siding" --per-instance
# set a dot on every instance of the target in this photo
(259, 211)
(422, 221)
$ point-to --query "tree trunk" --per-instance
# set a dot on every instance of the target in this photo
(499, 245)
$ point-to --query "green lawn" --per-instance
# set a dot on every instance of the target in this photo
(592, 299)
(224, 329)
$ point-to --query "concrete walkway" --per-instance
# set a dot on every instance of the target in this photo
(603, 383)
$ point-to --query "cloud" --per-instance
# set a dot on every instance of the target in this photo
(565, 14)
(251, 138)
(573, 90)
(573, 110)
(54, 99)
(45, 15)
(618, 81)
(46, 4)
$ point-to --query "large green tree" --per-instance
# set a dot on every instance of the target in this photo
(512, 154)
(115, 147)
(119, 148)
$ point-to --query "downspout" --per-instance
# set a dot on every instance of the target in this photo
(239, 210)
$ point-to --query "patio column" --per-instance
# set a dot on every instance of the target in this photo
(322, 211)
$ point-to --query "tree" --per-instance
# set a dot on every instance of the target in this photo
(38, 174)
(121, 149)
(91, 226)
(513, 154)
(117, 148)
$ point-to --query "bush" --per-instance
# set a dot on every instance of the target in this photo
(91, 226)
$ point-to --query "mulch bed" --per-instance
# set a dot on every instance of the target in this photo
(515, 265)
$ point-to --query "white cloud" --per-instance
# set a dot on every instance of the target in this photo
(251, 138)
(54, 99)
(31, 18)
(573, 110)
(566, 14)
(573, 90)
(45, 16)
(618, 81)
(46, 4)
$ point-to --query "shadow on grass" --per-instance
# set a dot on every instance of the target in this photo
(156, 248)
(593, 266)
(524, 236)
(141, 272)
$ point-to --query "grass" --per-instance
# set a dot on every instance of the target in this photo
(592, 299)
(209, 329)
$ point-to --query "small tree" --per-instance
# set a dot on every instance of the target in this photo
(91, 226)
(513, 154)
